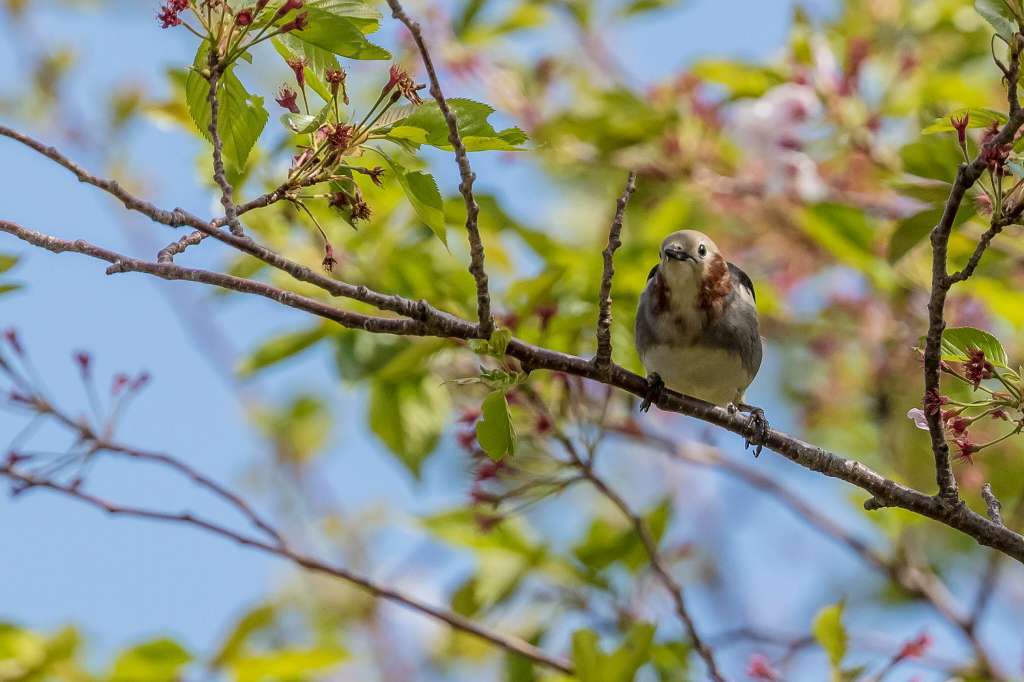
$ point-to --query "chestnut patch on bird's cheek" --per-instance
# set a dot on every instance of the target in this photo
(715, 285)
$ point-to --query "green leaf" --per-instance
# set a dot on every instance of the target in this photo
(671, 661)
(299, 429)
(607, 543)
(318, 62)
(9, 287)
(828, 629)
(978, 117)
(594, 665)
(421, 190)
(287, 664)
(587, 656)
(252, 622)
(742, 80)
(931, 157)
(160, 660)
(303, 124)
(338, 34)
(7, 262)
(408, 416)
(281, 348)
(494, 431)
(359, 12)
(241, 116)
(958, 341)
(911, 231)
(426, 125)
(999, 15)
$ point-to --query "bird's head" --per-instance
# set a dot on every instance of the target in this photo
(688, 256)
(692, 265)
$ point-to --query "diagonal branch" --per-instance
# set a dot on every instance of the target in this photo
(603, 359)
(476, 246)
(432, 322)
(121, 263)
(511, 644)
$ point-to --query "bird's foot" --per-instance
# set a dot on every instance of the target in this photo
(757, 426)
(654, 388)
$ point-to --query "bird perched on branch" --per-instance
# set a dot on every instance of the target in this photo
(696, 327)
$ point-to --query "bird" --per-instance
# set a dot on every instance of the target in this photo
(697, 330)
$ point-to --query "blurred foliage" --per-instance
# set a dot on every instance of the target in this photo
(820, 172)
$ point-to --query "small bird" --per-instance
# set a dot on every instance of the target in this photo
(696, 327)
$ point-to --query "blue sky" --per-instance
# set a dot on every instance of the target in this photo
(125, 580)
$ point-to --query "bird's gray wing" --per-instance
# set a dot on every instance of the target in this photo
(654, 271)
(743, 279)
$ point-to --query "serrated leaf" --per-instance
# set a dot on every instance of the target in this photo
(978, 117)
(359, 12)
(281, 348)
(828, 629)
(494, 430)
(426, 125)
(338, 34)
(998, 14)
(241, 116)
(421, 190)
(958, 341)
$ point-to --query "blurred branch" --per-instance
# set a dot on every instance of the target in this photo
(911, 576)
(942, 281)
(586, 468)
(476, 246)
(603, 358)
(511, 644)
(13, 467)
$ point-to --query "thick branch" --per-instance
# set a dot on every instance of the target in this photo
(476, 246)
(884, 492)
(512, 644)
(603, 359)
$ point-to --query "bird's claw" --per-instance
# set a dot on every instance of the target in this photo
(757, 425)
(654, 388)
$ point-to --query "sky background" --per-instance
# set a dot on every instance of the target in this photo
(124, 580)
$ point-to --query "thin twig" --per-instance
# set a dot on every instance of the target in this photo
(603, 358)
(509, 643)
(476, 246)
(219, 173)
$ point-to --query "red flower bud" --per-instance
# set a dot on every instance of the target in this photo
(960, 125)
(916, 647)
(298, 67)
(244, 17)
(12, 338)
(83, 360)
(169, 12)
(286, 98)
(297, 24)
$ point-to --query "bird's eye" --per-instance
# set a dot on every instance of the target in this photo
(702, 250)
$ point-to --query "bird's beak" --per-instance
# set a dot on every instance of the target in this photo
(676, 252)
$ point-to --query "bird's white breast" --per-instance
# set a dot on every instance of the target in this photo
(711, 374)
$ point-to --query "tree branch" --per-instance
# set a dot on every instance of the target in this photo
(966, 176)
(219, 173)
(476, 247)
(603, 358)
(511, 644)
(431, 322)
